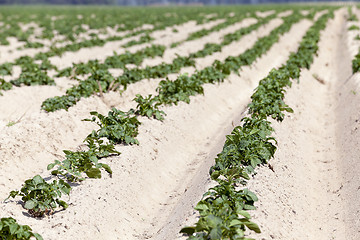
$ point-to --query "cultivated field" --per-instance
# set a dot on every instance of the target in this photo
(233, 122)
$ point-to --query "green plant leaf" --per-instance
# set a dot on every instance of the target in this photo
(188, 230)
(30, 204)
(107, 168)
(93, 173)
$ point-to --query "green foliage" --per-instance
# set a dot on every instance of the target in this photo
(36, 77)
(5, 85)
(10, 229)
(6, 69)
(120, 61)
(33, 45)
(171, 92)
(351, 15)
(98, 81)
(268, 97)
(103, 78)
(40, 197)
(356, 63)
(245, 148)
(81, 69)
(148, 107)
(223, 213)
(117, 126)
(33, 73)
(143, 39)
(58, 102)
(86, 162)
(353, 27)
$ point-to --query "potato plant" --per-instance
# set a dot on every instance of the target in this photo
(78, 163)
(41, 198)
(10, 229)
(117, 126)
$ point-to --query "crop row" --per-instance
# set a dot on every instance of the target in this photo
(70, 25)
(72, 22)
(36, 74)
(88, 87)
(356, 61)
(39, 76)
(224, 208)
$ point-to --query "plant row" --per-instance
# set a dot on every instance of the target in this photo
(224, 209)
(203, 32)
(356, 61)
(38, 75)
(70, 25)
(88, 87)
(33, 73)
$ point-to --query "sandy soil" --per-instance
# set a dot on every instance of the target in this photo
(313, 193)
(265, 13)
(128, 209)
(285, 13)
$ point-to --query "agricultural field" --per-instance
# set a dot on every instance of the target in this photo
(230, 122)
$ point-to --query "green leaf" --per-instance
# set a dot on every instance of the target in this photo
(201, 207)
(244, 213)
(51, 166)
(93, 173)
(213, 221)
(252, 226)
(38, 179)
(63, 204)
(215, 233)
(13, 228)
(235, 222)
(149, 113)
(107, 168)
(38, 236)
(215, 175)
(93, 159)
(188, 230)
(30, 204)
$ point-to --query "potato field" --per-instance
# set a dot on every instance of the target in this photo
(173, 123)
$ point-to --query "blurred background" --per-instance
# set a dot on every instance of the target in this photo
(152, 2)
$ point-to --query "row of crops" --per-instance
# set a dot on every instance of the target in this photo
(225, 209)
